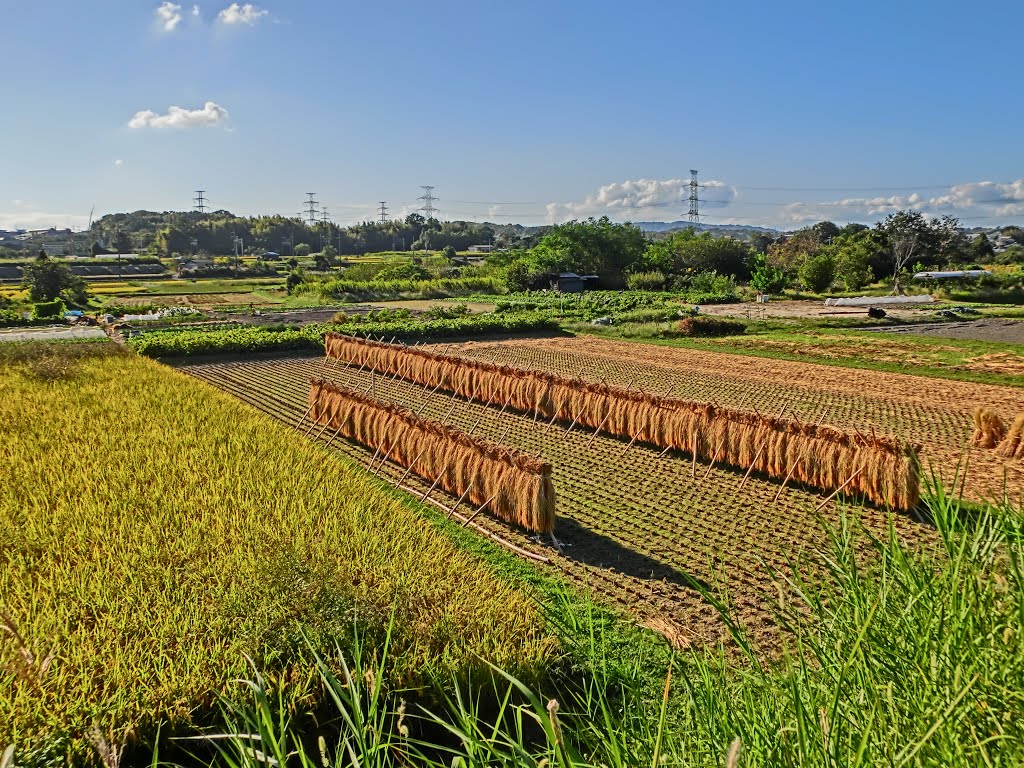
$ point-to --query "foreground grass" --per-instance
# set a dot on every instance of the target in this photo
(915, 660)
(156, 536)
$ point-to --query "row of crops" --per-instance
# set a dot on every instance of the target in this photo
(188, 342)
(140, 577)
(621, 305)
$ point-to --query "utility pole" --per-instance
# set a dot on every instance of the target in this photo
(694, 214)
(428, 202)
(199, 202)
(383, 212)
(311, 208)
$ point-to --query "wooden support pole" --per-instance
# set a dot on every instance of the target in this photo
(478, 511)
(465, 493)
(409, 468)
(837, 490)
(302, 418)
(752, 463)
(630, 444)
(712, 464)
(603, 422)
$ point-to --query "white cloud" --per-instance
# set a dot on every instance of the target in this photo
(211, 114)
(195, 11)
(978, 199)
(21, 219)
(118, 163)
(640, 199)
(241, 14)
(169, 15)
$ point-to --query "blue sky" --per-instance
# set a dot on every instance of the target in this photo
(523, 111)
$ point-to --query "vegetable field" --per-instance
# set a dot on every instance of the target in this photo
(650, 532)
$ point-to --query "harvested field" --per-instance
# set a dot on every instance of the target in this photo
(641, 530)
(936, 413)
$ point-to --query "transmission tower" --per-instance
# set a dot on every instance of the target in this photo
(428, 202)
(311, 208)
(383, 212)
(199, 202)
(694, 215)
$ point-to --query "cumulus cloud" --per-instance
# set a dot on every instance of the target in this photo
(241, 14)
(640, 199)
(195, 11)
(168, 15)
(118, 163)
(977, 199)
(211, 114)
(34, 219)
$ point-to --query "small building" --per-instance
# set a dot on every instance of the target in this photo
(481, 248)
(570, 282)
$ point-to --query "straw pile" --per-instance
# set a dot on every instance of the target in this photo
(516, 487)
(1012, 444)
(989, 429)
(883, 469)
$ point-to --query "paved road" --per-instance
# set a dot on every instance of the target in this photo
(51, 333)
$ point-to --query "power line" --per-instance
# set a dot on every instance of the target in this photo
(383, 212)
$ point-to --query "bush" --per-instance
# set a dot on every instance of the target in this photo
(405, 271)
(646, 281)
(818, 271)
(705, 325)
(441, 312)
(48, 309)
(713, 284)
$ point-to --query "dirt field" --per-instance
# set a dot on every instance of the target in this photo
(749, 310)
(991, 329)
(640, 529)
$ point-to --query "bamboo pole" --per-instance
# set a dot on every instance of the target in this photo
(302, 418)
(712, 464)
(479, 510)
(837, 490)
(457, 503)
(753, 464)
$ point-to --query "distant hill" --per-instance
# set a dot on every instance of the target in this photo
(736, 230)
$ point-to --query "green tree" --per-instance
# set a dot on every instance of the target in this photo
(981, 249)
(302, 249)
(825, 231)
(449, 252)
(595, 246)
(48, 279)
(766, 277)
(818, 271)
(295, 278)
(685, 253)
(854, 254)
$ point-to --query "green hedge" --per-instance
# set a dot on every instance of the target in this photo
(354, 290)
(247, 339)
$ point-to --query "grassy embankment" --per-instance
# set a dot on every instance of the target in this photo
(158, 536)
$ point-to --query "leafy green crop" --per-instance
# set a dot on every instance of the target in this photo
(247, 339)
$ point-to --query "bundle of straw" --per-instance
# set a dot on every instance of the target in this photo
(516, 487)
(989, 429)
(883, 469)
(1012, 444)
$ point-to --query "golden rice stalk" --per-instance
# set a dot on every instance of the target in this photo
(515, 486)
(810, 454)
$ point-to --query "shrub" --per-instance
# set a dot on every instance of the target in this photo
(441, 312)
(48, 309)
(705, 325)
(646, 281)
(403, 271)
(713, 284)
(818, 271)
